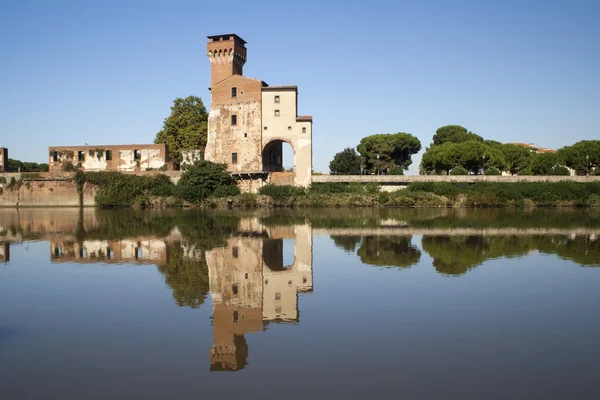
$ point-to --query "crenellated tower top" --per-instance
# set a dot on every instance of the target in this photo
(227, 54)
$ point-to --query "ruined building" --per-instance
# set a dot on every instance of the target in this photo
(249, 120)
(3, 159)
(133, 157)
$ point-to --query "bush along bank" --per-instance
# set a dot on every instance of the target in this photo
(198, 182)
(210, 185)
(443, 194)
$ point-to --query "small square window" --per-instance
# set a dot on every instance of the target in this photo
(265, 128)
(277, 113)
(303, 129)
(234, 92)
(245, 134)
(276, 98)
(277, 296)
(234, 119)
(108, 155)
(234, 158)
(289, 127)
(234, 250)
(234, 288)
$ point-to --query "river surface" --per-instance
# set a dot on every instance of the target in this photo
(416, 304)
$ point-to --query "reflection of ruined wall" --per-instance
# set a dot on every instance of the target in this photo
(149, 251)
(4, 252)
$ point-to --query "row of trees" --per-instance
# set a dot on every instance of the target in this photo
(455, 150)
(381, 153)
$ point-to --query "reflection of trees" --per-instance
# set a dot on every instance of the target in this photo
(347, 243)
(454, 255)
(187, 277)
(580, 249)
(395, 251)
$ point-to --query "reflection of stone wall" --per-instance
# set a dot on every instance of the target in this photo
(4, 252)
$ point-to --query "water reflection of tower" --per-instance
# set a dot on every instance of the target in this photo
(250, 287)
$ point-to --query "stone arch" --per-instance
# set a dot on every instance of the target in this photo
(272, 154)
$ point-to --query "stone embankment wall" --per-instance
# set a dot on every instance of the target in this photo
(406, 179)
(43, 192)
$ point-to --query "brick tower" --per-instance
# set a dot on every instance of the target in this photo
(227, 54)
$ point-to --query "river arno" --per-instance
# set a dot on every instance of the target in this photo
(421, 304)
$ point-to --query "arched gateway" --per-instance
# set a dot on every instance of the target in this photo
(250, 120)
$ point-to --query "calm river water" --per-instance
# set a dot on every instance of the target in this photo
(418, 304)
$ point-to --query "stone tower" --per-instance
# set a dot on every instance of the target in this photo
(227, 54)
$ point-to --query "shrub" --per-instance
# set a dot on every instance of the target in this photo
(69, 166)
(396, 170)
(226, 191)
(560, 170)
(207, 175)
(280, 192)
(192, 194)
(459, 171)
(492, 171)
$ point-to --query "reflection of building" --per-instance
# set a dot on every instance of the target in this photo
(250, 286)
(146, 251)
(4, 252)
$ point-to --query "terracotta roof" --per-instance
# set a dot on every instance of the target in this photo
(304, 118)
(546, 151)
(227, 35)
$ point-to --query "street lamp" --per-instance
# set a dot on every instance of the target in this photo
(377, 167)
(587, 165)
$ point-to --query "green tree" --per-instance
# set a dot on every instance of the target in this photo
(544, 163)
(518, 158)
(384, 151)
(16, 165)
(346, 162)
(581, 154)
(454, 134)
(186, 127)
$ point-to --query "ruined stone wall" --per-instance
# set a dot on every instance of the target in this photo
(3, 159)
(191, 156)
(242, 138)
(251, 185)
(46, 193)
(109, 158)
(135, 250)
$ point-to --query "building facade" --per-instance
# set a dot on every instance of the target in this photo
(249, 121)
(3, 159)
(134, 157)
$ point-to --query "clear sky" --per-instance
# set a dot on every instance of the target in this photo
(106, 72)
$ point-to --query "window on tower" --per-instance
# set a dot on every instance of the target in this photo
(233, 91)
(234, 119)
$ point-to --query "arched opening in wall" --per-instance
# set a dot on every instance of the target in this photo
(278, 156)
(278, 254)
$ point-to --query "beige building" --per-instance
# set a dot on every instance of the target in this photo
(249, 121)
(133, 157)
(4, 252)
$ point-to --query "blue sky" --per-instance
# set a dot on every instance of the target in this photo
(104, 72)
